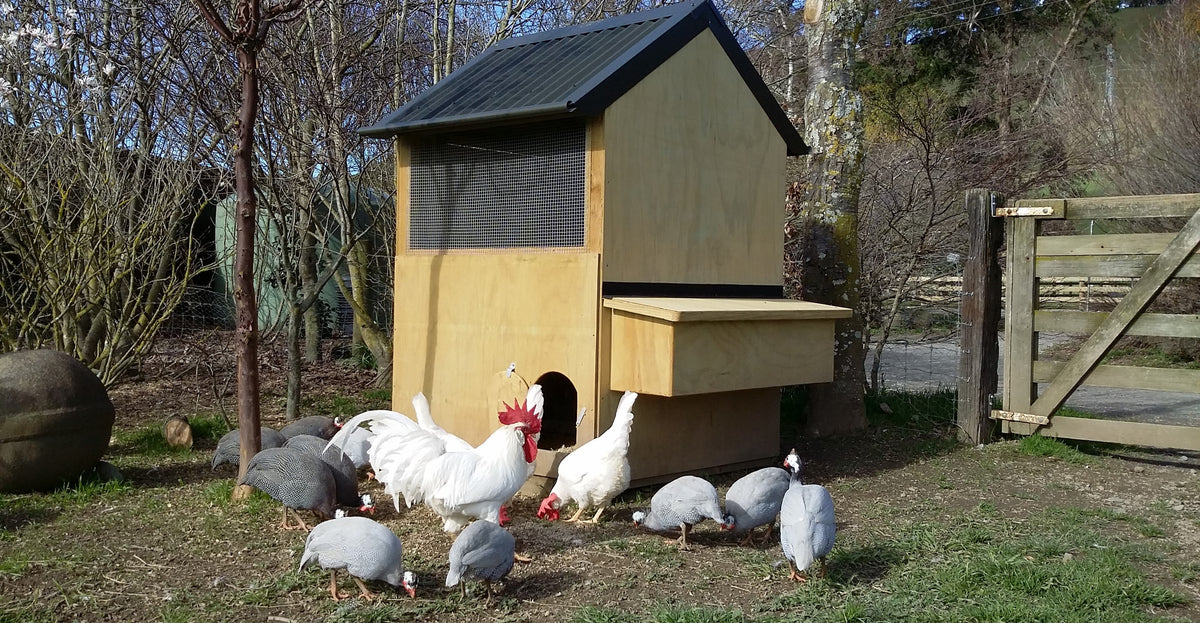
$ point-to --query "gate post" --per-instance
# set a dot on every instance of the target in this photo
(979, 311)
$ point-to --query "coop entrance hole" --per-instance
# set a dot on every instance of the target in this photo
(558, 416)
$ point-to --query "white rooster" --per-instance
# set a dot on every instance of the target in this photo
(596, 472)
(401, 448)
(475, 484)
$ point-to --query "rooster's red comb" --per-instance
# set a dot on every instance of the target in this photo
(520, 412)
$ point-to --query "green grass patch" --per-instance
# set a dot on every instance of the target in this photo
(1038, 445)
(347, 406)
(208, 426)
(922, 410)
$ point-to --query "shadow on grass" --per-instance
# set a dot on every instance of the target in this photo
(540, 585)
(866, 564)
(14, 516)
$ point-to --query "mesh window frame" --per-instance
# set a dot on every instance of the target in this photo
(519, 187)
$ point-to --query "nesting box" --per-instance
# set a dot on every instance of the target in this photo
(603, 206)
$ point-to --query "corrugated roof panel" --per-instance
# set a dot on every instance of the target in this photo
(579, 69)
(524, 76)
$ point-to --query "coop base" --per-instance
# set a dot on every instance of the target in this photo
(701, 435)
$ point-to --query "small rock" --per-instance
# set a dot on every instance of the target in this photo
(1138, 469)
(109, 472)
(1068, 557)
(577, 542)
(886, 408)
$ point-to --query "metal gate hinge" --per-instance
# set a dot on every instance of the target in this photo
(1014, 416)
(1024, 211)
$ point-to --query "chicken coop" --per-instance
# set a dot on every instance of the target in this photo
(602, 205)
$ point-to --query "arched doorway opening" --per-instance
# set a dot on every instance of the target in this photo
(558, 417)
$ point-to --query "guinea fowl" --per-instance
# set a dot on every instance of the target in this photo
(807, 526)
(754, 500)
(345, 476)
(483, 551)
(229, 448)
(295, 478)
(683, 503)
(363, 548)
(315, 425)
(596, 472)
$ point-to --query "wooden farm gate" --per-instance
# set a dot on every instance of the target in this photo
(1154, 260)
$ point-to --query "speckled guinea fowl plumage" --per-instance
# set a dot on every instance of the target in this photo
(295, 478)
(315, 425)
(685, 501)
(362, 547)
(345, 476)
(755, 499)
(229, 447)
(482, 551)
(807, 525)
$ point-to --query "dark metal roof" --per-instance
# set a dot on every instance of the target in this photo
(579, 70)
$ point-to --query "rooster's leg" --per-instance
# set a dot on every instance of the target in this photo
(366, 594)
(575, 517)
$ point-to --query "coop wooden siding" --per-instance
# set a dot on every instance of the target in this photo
(462, 318)
(694, 177)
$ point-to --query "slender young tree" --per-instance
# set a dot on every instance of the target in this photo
(245, 29)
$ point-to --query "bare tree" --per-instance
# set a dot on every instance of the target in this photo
(101, 186)
(246, 33)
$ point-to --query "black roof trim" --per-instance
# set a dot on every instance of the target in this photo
(448, 104)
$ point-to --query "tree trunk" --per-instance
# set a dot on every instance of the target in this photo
(830, 259)
(246, 307)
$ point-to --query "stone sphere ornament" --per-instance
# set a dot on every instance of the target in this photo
(55, 420)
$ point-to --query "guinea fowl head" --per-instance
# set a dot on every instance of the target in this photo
(410, 583)
(368, 504)
(792, 462)
(527, 416)
(728, 522)
(639, 518)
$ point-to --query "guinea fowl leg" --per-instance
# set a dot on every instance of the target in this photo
(767, 535)
(487, 584)
(575, 517)
(288, 526)
(749, 540)
(683, 529)
(366, 594)
(333, 585)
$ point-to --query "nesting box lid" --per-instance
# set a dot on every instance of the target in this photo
(674, 309)
(574, 71)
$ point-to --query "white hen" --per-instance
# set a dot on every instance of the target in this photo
(596, 472)
(475, 484)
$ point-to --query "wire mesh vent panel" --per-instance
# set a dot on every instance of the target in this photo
(513, 188)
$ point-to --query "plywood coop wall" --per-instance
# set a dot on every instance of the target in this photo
(693, 177)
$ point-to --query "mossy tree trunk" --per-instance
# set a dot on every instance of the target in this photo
(829, 259)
